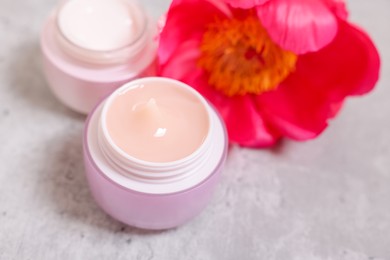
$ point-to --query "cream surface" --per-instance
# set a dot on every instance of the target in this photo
(100, 25)
(157, 122)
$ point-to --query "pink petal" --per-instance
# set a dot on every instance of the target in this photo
(296, 109)
(300, 26)
(245, 125)
(348, 66)
(246, 4)
(302, 105)
(182, 61)
(338, 7)
(183, 22)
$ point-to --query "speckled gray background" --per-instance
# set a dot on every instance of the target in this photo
(327, 199)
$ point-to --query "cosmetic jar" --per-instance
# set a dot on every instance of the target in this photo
(153, 153)
(91, 47)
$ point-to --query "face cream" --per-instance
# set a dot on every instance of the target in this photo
(153, 153)
(100, 25)
(91, 47)
(149, 114)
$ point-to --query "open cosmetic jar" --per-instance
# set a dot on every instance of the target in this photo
(153, 153)
(91, 47)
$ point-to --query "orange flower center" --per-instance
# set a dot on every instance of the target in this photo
(241, 58)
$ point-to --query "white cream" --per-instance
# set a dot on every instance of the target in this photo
(100, 25)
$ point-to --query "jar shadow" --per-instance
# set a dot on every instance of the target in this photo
(65, 187)
(26, 80)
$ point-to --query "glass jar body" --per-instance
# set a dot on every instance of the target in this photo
(141, 202)
(80, 84)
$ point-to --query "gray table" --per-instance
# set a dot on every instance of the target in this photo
(327, 199)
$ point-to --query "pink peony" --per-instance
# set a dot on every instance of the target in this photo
(272, 68)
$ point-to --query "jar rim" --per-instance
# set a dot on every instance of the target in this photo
(164, 169)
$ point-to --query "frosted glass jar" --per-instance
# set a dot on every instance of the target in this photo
(150, 194)
(85, 60)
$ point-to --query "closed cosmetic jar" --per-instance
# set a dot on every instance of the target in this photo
(153, 153)
(91, 47)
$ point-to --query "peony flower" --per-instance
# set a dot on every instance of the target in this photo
(272, 68)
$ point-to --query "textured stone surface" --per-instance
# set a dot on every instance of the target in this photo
(321, 200)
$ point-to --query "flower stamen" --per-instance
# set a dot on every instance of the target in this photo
(240, 57)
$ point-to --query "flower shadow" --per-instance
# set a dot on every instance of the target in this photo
(280, 147)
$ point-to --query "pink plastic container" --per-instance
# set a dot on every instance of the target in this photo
(81, 77)
(153, 202)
